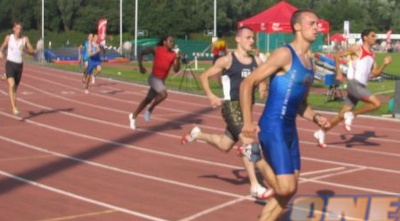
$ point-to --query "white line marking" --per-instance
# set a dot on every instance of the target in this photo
(123, 171)
(322, 171)
(78, 197)
(212, 209)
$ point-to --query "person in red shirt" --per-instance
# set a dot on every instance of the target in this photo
(164, 59)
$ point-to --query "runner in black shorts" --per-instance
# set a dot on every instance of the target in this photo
(17, 45)
(14, 70)
(232, 115)
(234, 67)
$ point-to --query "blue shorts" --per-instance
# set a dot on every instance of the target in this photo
(281, 148)
(85, 58)
(92, 65)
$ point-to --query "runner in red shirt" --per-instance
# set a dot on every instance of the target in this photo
(164, 59)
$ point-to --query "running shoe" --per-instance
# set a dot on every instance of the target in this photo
(93, 79)
(260, 192)
(86, 91)
(320, 136)
(190, 137)
(348, 120)
(251, 151)
(132, 122)
(147, 116)
(16, 112)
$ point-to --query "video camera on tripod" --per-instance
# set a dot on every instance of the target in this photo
(187, 70)
(184, 59)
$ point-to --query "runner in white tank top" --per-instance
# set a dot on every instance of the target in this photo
(362, 65)
(17, 45)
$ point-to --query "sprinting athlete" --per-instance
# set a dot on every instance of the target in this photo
(94, 61)
(85, 55)
(17, 45)
(361, 66)
(291, 74)
(234, 67)
(164, 59)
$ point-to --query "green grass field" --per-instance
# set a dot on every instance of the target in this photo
(317, 99)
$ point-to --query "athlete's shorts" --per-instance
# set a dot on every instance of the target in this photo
(356, 92)
(280, 145)
(85, 58)
(14, 70)
(157, 85)
(92, 65)
(233, 118)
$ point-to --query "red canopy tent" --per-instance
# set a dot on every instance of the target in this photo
(276, 19)
(338, 38)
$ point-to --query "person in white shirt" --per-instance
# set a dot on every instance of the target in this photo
(17, 45)
(362, 65)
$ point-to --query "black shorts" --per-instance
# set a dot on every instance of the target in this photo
(14, 70)
(233, 118)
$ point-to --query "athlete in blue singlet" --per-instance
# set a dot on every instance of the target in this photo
(84, 55)
(94, 62)
(277, 123)
(291, 74)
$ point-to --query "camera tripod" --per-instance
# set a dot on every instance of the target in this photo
(187, 69)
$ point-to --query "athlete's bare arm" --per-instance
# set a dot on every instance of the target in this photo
(352, 50)
(4, 45)
(221, 64)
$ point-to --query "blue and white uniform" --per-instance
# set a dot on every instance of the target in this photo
(278, 135)
(94, 60)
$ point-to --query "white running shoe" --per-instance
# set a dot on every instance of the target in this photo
(93, 79)
(86, 91)
(16, 112)
(190, 137)
(260, 192)
(251, 151)
(147, 116)
(132, 122)
(348, 120)
(320, 136)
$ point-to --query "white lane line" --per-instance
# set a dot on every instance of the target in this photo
(74, 76)
(194, 95)
(208, 127)
(119, 170)
(305, 180)
(322, 171)
(81, 198)
(351, 187)
(350, 165)
(85, 215)
(212, 209)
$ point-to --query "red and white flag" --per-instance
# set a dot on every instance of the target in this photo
(102, 31)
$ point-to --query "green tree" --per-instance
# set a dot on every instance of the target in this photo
(68, 10)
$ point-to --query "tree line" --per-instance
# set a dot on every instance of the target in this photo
(182, 17)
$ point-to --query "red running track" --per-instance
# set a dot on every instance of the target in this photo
(72, 156)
